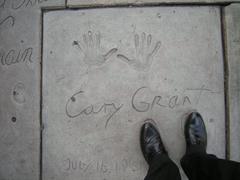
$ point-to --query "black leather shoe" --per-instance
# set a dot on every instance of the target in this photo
(195, 134)
(151, 142)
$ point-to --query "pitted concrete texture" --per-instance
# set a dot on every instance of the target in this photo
(107, 70)
(232, 22)
(78, 3)
(20, 47)
(20, 94)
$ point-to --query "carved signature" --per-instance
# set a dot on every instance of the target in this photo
(139, 103)
(110, 108)
(17, 4)
(16, 56)
(9, 19)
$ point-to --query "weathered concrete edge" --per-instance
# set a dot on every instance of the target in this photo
(44, 9)
(97, 3)
(232, 49)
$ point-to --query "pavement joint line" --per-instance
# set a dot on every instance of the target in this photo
(226, 82)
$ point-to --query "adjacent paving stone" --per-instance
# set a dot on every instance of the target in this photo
(232, 17)
(29, 4)
(20, 94)
(20, 47)
(76, 3)
(105, 71)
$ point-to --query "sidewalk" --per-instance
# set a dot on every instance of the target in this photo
(77, 84)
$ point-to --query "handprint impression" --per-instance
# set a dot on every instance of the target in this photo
(91, 48)
(145, 53)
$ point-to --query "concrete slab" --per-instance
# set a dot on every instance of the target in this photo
(107, 70)
(232, 22)
(20, 37)
(79, 3)
(20, 94)
(29, 4)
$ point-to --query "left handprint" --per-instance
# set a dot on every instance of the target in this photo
(90, 46)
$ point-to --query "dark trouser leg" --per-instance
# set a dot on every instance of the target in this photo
(209, 167)
(163, 168)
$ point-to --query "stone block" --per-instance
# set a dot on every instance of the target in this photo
(105, 71)
(17, 5)
(79, 3)
(232, 27)
(20, 94)
(20, 47)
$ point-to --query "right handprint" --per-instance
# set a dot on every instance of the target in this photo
(145, 52)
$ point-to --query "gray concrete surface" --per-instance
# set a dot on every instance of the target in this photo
(107, 70)
(18, 5)
(20, 46)
(20, 94)
(80, 3)
(232, 22)
(112, 133)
